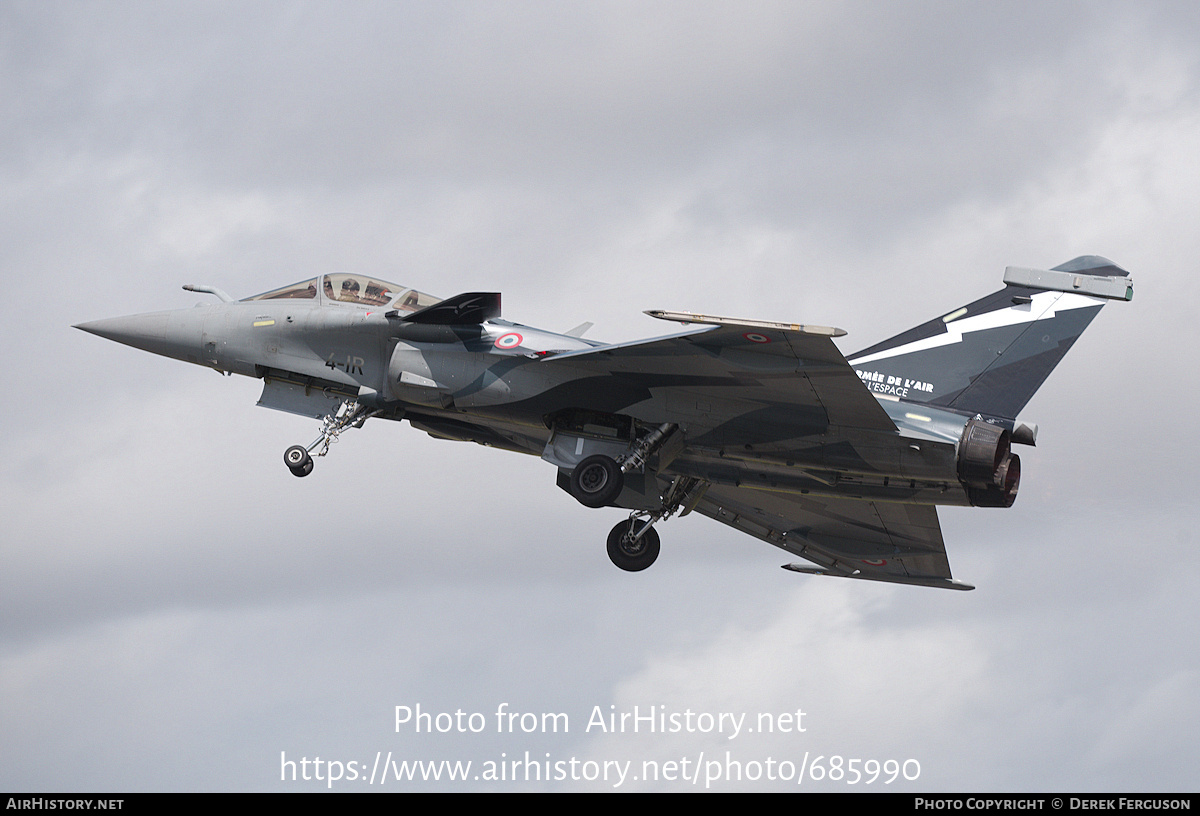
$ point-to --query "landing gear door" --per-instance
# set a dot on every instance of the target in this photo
(299, 399)
(566, 450)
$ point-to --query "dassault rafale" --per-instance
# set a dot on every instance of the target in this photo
(765, 427)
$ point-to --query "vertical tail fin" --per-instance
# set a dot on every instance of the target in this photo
(990, 356)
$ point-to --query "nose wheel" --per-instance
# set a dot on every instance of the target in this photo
(298, 461)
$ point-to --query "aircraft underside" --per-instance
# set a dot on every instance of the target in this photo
(653, 471)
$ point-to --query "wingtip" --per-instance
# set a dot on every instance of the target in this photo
(928, 581)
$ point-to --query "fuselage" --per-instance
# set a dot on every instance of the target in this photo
(489, 383)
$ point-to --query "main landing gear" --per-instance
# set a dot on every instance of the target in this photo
(348, 414)
(633, 544)
(597, 481)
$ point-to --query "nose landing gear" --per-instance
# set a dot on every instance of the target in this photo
(348, 414)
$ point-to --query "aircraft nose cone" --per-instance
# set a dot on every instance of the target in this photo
(171, 334)
(134, 330)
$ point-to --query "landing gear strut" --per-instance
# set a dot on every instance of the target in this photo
(348, 414)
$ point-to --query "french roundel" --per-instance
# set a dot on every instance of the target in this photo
(508, 341)
(875, 563)
(755, 337)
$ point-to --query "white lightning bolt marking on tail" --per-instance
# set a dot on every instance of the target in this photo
(1045, 306)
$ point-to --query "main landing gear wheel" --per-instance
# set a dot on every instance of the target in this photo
(630, 555)
(597, 481)
(298, 461)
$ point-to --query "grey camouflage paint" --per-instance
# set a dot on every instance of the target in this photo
(767, 427)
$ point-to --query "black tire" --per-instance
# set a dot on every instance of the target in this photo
(296, 457)
(597, 481)
(303, 470)
(628, 555)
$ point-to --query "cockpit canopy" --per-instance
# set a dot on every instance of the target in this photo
(350, 288)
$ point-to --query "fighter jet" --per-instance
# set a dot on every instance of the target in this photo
(765, 427)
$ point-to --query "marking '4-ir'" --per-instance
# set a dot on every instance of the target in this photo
(347, 363)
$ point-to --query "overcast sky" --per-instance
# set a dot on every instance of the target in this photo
(177, 612)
